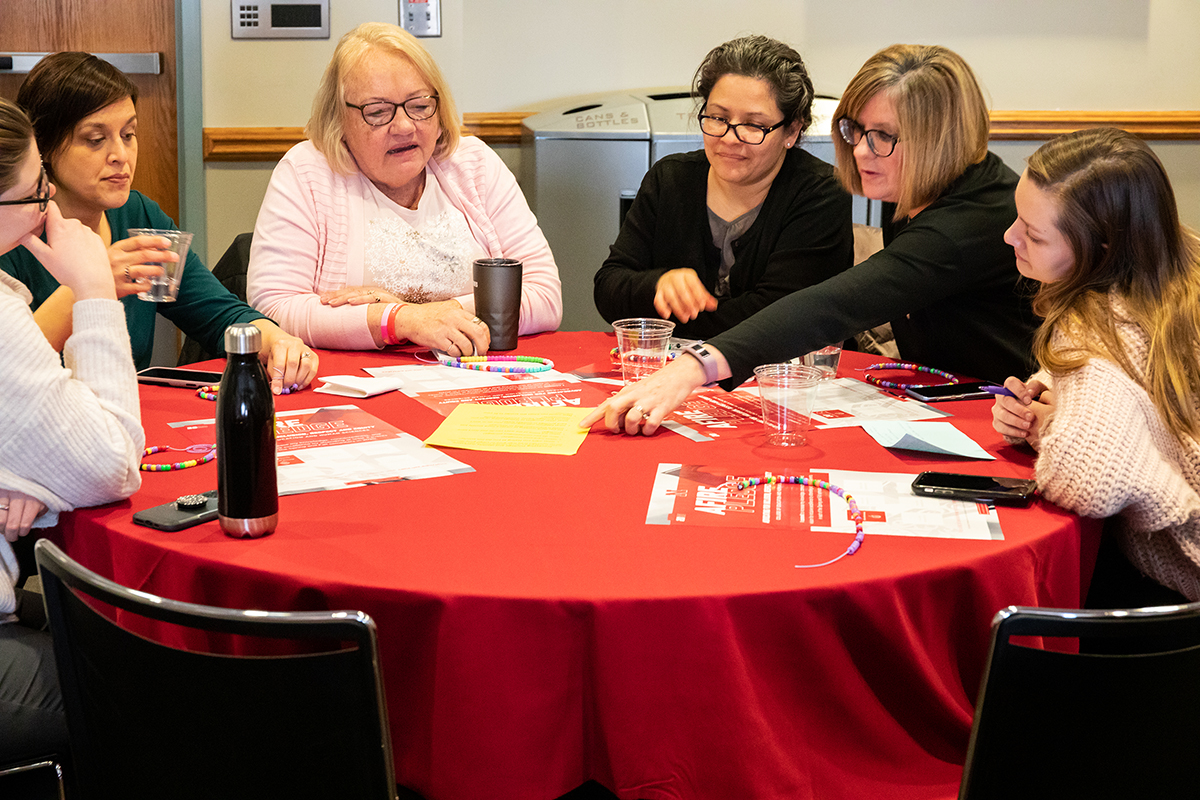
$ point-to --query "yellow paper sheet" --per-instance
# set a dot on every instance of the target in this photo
(512, 429)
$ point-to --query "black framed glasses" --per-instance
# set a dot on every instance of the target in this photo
(746, 132)
(41, 195)
(882, 144)
(382, 112)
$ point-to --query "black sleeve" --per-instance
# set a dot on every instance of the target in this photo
(625, 284)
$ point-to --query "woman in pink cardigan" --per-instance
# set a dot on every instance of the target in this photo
(368, 230)
(1114, 412)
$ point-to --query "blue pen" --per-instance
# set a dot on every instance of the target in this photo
(997, 390)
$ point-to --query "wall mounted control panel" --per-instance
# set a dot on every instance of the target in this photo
(306, 19)
(421, 17)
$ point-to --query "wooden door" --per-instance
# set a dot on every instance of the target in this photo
(120, 26)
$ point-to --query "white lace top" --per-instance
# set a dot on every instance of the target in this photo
(421, 255)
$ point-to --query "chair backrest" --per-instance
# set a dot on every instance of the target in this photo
(230, 270)
(1117, 724)
(147, 720)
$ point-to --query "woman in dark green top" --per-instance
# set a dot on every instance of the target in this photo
(84, 114)
(912, 130)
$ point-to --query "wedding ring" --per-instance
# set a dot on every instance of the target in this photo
(128, 277)
(3, 507)
(374, 297)
(304, 356)
(477, 319)
(641, 411)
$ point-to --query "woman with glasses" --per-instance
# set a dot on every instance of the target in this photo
(85, 114)
(72, 428)
(912, 131)
(368, 231)
(717, 235)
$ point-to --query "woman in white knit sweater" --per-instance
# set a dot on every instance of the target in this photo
(72, 434)
(1115, 410)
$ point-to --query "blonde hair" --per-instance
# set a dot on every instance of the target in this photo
(1117, 210)
(942, 117)
(325, 127)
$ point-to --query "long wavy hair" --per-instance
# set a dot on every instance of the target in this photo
(1117, 210)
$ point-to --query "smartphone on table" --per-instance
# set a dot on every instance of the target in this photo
(984, 488)
(948, 391)
(174, 376)
(183, 513)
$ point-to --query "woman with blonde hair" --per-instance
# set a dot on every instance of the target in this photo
(1114, 412)
(910, 130)
(368, 231)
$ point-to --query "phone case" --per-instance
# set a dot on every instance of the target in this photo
(1015, 491)
(970, 391)
(183, 378)
(169, 517)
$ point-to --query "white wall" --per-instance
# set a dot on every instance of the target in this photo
(502, 55)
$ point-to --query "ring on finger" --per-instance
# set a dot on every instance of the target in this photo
(3, 506)
(128, 277)
(641, 412)
(477, 319)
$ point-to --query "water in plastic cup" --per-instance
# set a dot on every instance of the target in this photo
(826, 359)
(165, 288)
(788, 392)
(642, 346)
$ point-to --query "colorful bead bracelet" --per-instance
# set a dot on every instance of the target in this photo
(855, 514)
(209, 450)
(497, 363)
(912, 367)
(208, 392)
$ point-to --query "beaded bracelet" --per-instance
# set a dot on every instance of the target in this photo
(209, 450)
(490, 363)
(855, 514)
(208, 392)
(912, 367)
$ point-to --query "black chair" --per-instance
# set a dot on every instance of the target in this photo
(1118, 724)
(230, 270)
(151, 721)
(33, 780)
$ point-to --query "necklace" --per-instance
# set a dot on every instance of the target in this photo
(912, 367)
(209, 450)
(497, 363)
(855, 514)
(208, 392)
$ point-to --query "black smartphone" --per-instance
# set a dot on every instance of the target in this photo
(948, 391)
(179, 514)
(174, 376)
(1004, 491)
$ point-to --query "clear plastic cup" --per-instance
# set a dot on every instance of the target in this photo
(826, 359)
(642, 346)
(787, 392)
(165, 288)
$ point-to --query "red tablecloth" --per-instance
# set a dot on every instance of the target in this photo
(535, 632)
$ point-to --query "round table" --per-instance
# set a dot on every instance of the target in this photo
(535, 632)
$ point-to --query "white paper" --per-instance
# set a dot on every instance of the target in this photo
(358, 386)
(926, 437)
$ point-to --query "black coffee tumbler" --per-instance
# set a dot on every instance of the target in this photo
(498, 299)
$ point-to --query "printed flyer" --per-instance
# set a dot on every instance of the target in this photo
(689, 494)
(442, 388)
(339, 447)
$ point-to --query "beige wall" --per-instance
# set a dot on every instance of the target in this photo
(504, 55)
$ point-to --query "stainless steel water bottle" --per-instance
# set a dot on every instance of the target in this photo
(247, 493)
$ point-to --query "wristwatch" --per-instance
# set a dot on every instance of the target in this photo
(708, 361)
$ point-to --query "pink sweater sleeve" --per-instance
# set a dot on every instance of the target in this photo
(300, 248)
(486, 191)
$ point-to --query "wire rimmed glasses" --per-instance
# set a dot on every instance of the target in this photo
(882, 143)
(746, 132)
(381, 112)
(41, 195)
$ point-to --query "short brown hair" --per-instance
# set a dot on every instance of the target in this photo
(325, 127)
(16, 135)
(62, 89)
(942, 116)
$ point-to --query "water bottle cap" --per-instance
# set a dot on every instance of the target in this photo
(242, 338)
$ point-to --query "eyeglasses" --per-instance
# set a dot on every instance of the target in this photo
(41, 195)
(383, 112)
(746, 132)
(882, 144)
